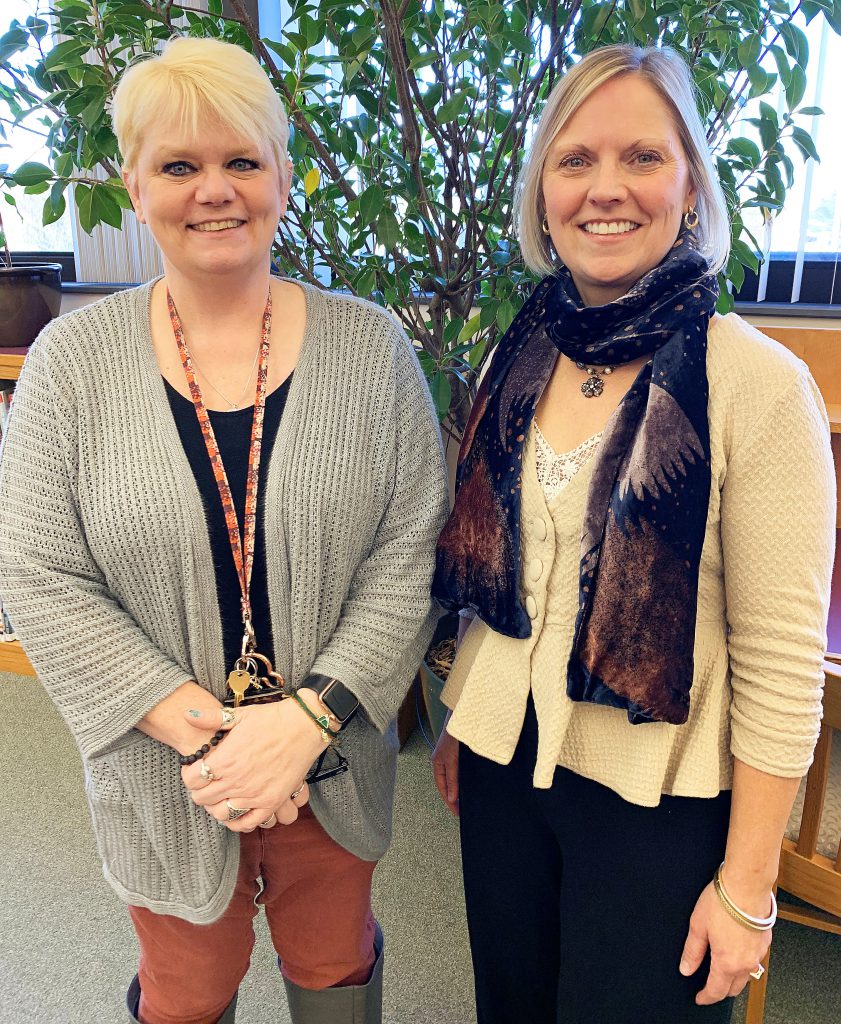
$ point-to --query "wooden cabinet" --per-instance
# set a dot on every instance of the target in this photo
(12, 658)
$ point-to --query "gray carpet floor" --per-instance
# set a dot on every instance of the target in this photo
(67, 950)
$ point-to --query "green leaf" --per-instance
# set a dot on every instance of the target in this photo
(103, 208)
(749, 49)
(53, 210)
(505, 314)
(371, 203)
(744, 254)
(783, 66)
(65, 55)
(286, 53)
(452, 330)
(365, 284)
(423, 60)
(442, 394)
(83, 204)
(735, 273)
(811, 8)
(796, 43)
(473, 325)
(14, 41)
(32, 174)
(796, 87)
(760, 80)
(811, 111)
(803, 140)
(725, 300)
(387, 229)
(488, 313)
(746, 149)
(64, 165)
(450, 110)
(477, 351)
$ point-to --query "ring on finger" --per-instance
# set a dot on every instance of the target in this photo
(229, 717)
(206, 772)
(269, 822)
(757, 974)
(235, 812)
(297, 792)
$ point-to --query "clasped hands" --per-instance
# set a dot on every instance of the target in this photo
(260, 765)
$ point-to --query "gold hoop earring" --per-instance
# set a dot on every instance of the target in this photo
(691, 218)
(544, 224)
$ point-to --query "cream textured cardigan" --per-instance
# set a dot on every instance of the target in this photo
(762, 603)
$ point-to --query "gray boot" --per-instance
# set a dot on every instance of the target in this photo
(345, 1004)
(133, 1005)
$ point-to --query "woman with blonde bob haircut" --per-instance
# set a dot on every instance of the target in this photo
(643, 588)
(229, 485)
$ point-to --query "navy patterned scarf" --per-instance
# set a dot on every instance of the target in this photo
(648, 499)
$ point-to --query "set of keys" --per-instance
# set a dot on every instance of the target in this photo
(253, 680)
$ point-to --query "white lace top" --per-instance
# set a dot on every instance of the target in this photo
(554, 470)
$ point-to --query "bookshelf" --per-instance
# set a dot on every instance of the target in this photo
(12, 658)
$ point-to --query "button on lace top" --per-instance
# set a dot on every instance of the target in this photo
(554, 470)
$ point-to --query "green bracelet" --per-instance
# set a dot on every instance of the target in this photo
(322, 721)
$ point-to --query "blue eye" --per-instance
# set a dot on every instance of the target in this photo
(178, 168)
(243, 163)
(648, 157)
(574, 161)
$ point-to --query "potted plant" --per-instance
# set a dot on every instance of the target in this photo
(435, 669)
(30, 296)
(409, 125)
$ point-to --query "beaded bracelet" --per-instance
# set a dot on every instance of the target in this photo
(322, 721)
(755, 924)
(186, 759)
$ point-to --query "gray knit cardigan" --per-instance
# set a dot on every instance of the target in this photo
(106, 570)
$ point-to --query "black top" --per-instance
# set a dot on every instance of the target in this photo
(233, 435)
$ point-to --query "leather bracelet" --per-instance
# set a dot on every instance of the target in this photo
(323, 721)
(754, 924)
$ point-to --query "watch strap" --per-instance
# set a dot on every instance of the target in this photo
(334, 695)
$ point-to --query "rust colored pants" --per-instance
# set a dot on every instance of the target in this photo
(318, 904)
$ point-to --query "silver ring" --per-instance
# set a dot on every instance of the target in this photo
(757, 974)
(297, 792)
(269, 822)
(235, 812)
(206, 772)
(229, 717)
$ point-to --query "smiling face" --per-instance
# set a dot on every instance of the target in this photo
(212, 203)
(615, 186)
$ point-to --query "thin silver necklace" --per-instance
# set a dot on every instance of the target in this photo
(235, 407)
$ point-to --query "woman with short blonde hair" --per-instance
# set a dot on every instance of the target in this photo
(220, 495)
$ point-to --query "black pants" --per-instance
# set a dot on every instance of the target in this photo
(578, 902)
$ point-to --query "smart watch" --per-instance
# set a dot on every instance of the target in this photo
(334, 695)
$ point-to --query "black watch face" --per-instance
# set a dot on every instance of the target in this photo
(340, 701)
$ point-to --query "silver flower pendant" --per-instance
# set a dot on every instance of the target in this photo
(592, 387)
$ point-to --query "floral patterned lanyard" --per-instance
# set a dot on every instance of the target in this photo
(245, 671)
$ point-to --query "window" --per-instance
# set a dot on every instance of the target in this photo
(24, 229)
(802, 242)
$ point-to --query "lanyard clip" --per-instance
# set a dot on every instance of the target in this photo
(248, 637)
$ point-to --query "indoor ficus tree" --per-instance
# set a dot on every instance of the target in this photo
(410, 121)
